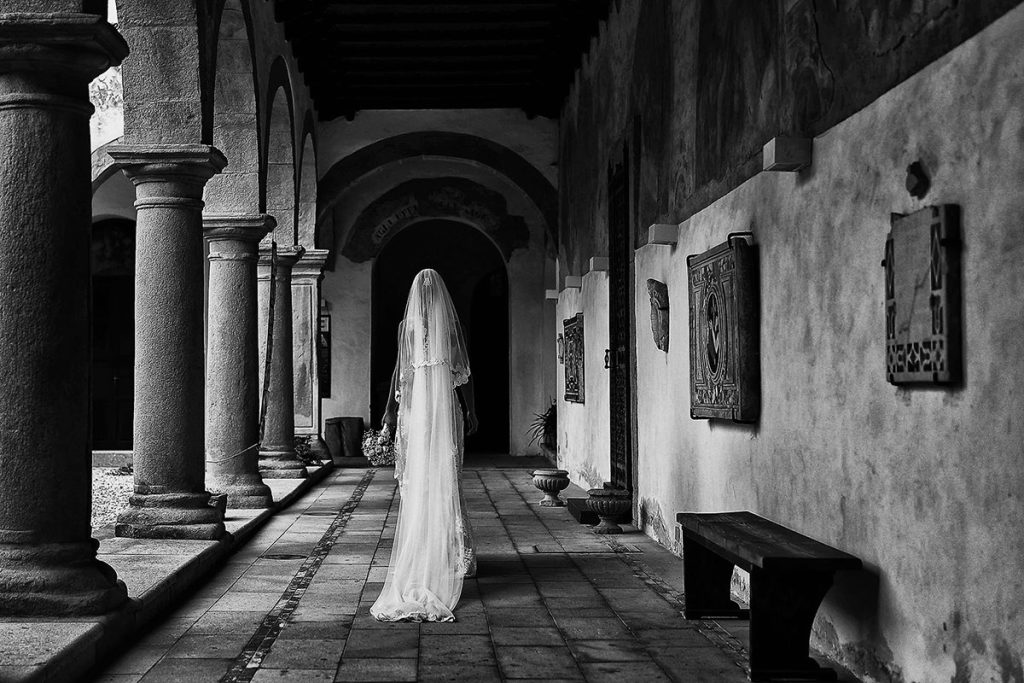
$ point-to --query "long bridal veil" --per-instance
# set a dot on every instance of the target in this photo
(429, 556)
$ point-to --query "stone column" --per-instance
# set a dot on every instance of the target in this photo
(48, 562)
(232, 380)
(306, 277)
(277, 449)
(170, 499)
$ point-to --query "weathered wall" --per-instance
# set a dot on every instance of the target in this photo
(583, 428)
(696, 87)
(922, 484)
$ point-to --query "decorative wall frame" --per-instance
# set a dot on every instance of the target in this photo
(572, 334)
(922, 297)
(725, 369)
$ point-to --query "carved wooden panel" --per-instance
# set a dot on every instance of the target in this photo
(922, 297)
(725, 372)
(573, 336)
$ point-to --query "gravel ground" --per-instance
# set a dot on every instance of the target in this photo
(110, 492)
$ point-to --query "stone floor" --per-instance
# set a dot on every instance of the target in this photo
(552, 601)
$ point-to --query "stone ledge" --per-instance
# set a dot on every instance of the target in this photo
(159, 574)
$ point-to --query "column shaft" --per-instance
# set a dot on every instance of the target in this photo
(48, 562)
(277, 449)
(232, 381)
(170, 499)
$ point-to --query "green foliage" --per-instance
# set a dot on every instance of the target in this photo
(544, 427)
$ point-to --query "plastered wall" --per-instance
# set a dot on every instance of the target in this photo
(923, 484)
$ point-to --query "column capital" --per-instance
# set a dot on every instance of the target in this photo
(250, 228)
(82, 43)
(286, 256)
(311, 264)
(189, 166)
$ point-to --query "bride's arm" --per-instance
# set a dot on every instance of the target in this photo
(391, 409)
(468, 400)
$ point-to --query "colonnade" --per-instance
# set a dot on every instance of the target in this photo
(196, 422)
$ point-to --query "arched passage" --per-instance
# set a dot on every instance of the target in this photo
(306, 228)
(475, 273)
(113, 333)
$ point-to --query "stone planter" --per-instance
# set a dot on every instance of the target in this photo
(609, 505)
(551, 481)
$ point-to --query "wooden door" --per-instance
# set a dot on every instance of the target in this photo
(620, 318)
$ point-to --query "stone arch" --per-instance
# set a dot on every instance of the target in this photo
(279, 187)
(306, 226)
(456, 199)
(235, 132)
(166, 76)
(445, 145)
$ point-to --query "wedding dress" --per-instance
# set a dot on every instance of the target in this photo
(433, 546)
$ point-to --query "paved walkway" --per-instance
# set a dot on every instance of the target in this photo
(552, 601)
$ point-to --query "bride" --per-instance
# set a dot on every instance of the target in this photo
(433, 547)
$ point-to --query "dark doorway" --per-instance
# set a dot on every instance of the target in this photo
(620, 248)
(113, 333)
(475, 275)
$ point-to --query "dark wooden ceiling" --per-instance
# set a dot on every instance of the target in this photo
(434, 54)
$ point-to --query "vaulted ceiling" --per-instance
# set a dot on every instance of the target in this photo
(434, 54)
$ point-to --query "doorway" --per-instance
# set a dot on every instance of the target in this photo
(476, 277)
(113, 333)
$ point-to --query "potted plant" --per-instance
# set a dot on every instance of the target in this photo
(544, 428)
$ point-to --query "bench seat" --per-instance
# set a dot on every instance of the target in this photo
(789, 576)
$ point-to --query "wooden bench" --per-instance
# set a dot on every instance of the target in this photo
(789, 576)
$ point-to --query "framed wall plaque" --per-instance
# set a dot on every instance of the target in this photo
(922, 297)
(572, 335)
(725, 369)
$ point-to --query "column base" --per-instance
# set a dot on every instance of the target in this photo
(244, 491)
(170, 515)
(281, 465)
(57, 579)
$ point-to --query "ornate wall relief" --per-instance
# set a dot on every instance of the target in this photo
(659, 312)
(573, 336)
(922, 297)
(725, 372)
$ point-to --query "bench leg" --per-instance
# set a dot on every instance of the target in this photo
(782, 609)
(706, 581)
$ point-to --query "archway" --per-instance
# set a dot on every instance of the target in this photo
(475, 274)
(113, 333)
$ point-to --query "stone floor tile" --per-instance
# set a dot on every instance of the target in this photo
(206, 646)
(618, 672)
(104, 678)
(519, 635)
(537, 662)
(265, 675)
(456, 649)
(240, 601)
(519, 617)
(472, 673)
(364, 643)
(582, 628)
(137, 660)
(312, 653)
(700, 664)
(352, 669)
(629, 650)
(336, 629)
(172, 670)
(227, 622)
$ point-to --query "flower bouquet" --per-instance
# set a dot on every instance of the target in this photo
(379, 447)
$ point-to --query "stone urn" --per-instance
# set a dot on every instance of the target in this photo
(609, 505)
(551, 481)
